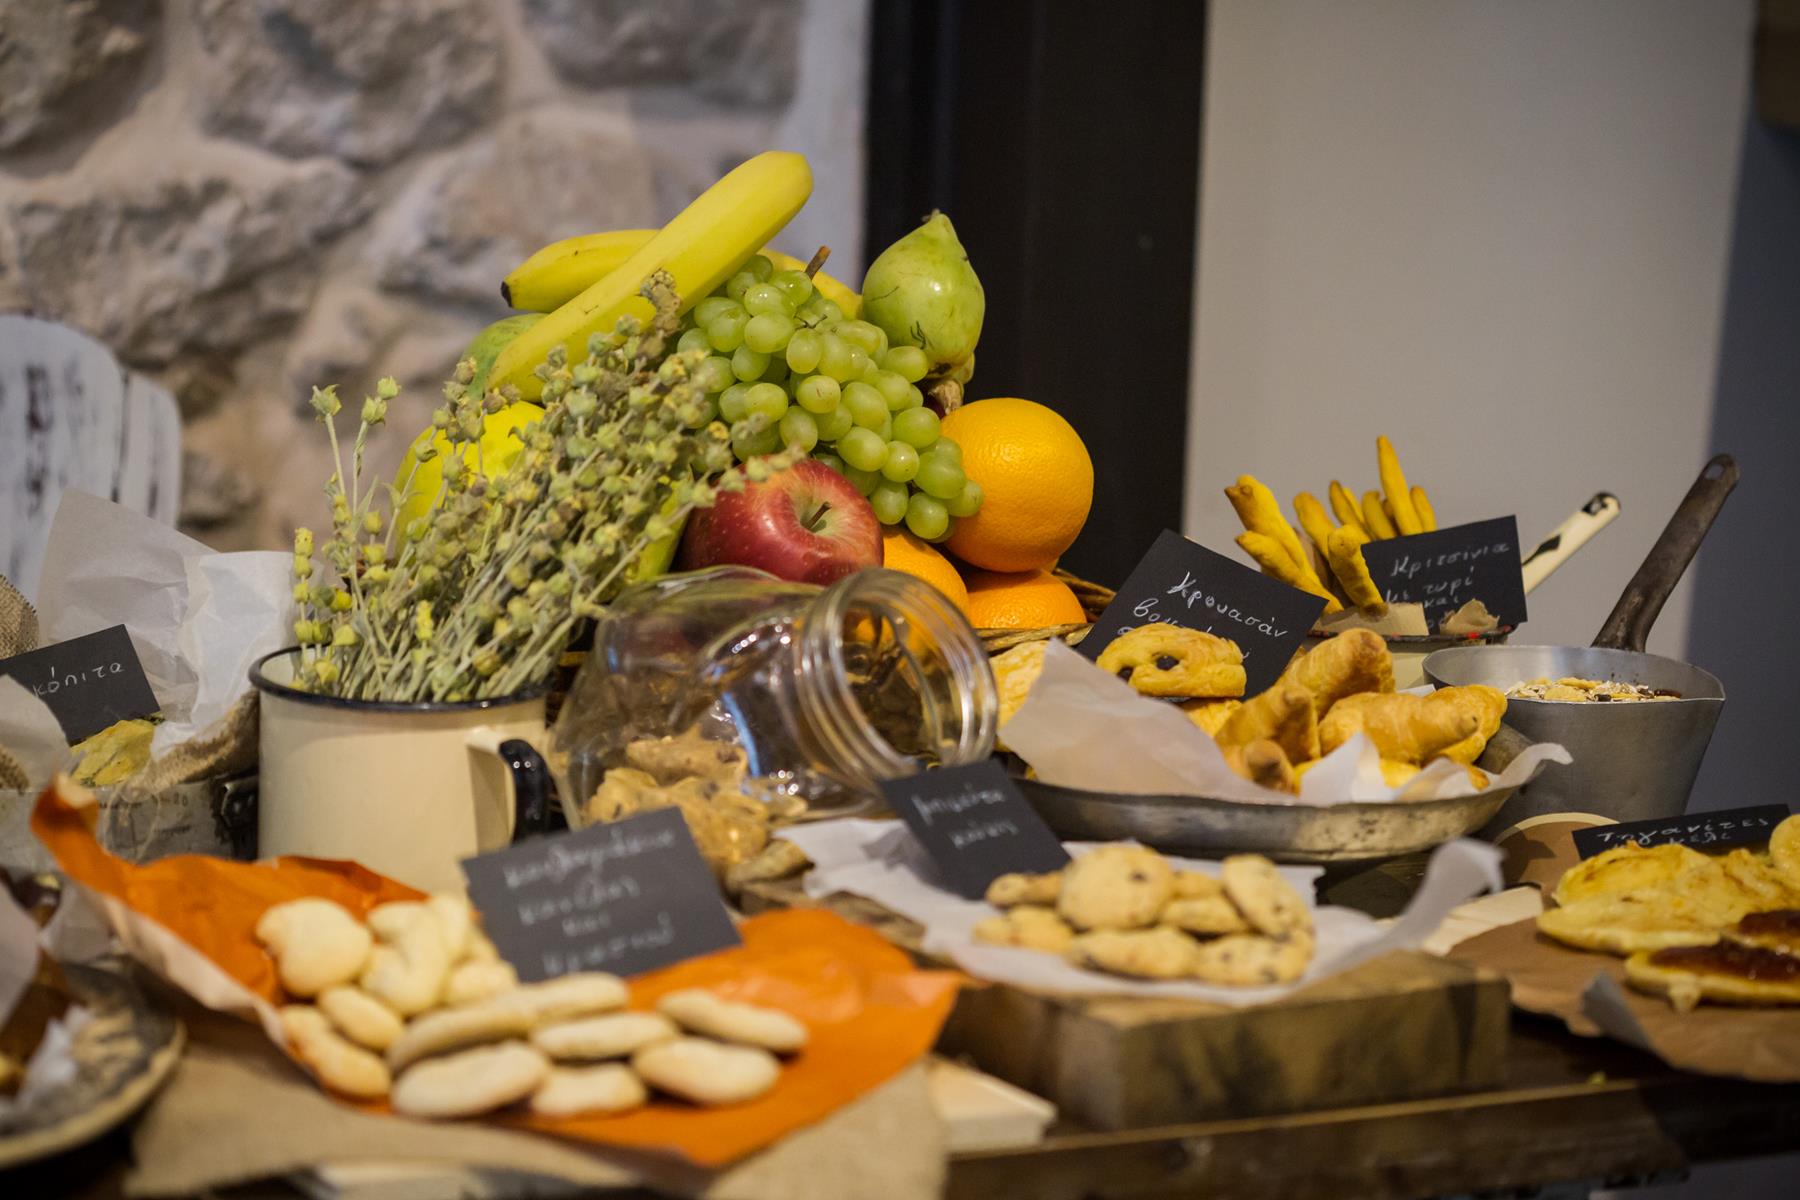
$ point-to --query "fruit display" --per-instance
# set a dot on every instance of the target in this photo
(806, 524)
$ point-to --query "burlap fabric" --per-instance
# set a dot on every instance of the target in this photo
(235, 1111)
(18, 633)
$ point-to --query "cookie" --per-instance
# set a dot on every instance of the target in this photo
(1166, 660)
(1784, 850)
(615, 1035)
(1015, 671)
(339, 1064)
(470, 1083)
(1115, 887)
(361, 1017)
(476, 980)
(316, 944)
(494, 1020)
(406, 971)
(1008, 890)
(1268, 901)
(582, 994)
(1027, 926)
(706, 1072)
(1249, 959)
(1208, 916)
(1160, 953)
(699, 1011)
(1197, 885)
(572, 1091)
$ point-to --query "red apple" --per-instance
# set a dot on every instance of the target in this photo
(807, 524)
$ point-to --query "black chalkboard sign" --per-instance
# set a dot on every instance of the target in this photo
(625, 897)
(88, 682)
(975, 825)
(1447, 568)
(1183, 583)
(1698, 831)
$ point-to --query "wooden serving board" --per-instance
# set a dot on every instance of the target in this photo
(1403, 1026)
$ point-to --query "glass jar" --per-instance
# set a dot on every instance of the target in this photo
(825, 691)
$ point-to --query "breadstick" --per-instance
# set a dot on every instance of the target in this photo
(1344, 552)
(1257, 509)
(1422, 506)
(1375, 518)
(1314, 520)
(1393, 482)
(1275, 560)
(1343, 503)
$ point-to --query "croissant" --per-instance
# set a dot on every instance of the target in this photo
(1407, 728)
(1209, 715)
(1263, 762)
(1354, 661)
(1489, 706)
(1283, 715)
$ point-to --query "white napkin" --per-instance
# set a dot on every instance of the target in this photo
(880, 861)
(197, 618)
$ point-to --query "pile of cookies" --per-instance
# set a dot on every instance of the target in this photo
(1326, 696)
(1126, 910)
(1690, 926)
(416, 1006)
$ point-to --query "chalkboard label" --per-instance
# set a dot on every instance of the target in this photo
(1697, 831)
(624, 897)
(1183, 583)
(1447, 568)
(88, 682)
(975, 825)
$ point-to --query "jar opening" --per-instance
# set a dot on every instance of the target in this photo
(893, 677)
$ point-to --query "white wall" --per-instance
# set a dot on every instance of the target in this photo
(1496, 232)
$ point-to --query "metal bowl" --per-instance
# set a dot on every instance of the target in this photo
(1633, 761)
(1294, 833)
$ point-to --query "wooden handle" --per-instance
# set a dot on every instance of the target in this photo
(1574, 533)
(1629, 625)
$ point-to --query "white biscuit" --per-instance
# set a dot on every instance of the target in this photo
(407, 970)
(582, 994)
(316, 944)
(448, 1029)
(361, 1017)
(705, 1072)
(615, 1035)
(455, 921)
(572, 1091)
(700, 1011)
(386, 921)
(470, 1083)
(340, 1065)
(474, 980)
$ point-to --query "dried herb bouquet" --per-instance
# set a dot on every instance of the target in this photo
(480, 596)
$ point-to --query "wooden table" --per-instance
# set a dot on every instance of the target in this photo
(1571, 1109)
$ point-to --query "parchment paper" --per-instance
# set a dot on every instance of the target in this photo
(29, 732)
(1588, 992)
(1082, 728)
(880, 860)
(197, 618)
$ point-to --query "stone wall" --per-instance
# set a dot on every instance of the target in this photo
(247, 197)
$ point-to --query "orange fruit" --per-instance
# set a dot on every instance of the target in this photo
(901, 551)
(1036, 479)
(1021, 600)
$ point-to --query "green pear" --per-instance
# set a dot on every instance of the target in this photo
(922, 292)
(489, 342)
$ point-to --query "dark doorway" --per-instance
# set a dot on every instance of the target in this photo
(1064, 140)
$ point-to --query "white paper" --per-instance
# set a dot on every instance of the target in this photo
(880, 860)
(197, 618)
(18, 953)
(51, 1067)
(29, 732)
(1082, 728)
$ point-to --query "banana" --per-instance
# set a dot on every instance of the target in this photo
(700, 248)
(563, 270)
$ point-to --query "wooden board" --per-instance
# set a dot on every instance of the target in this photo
(1401, 1027)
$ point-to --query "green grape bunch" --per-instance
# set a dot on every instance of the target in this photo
(786, 369)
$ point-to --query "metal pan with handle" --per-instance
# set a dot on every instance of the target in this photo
(1635, 760)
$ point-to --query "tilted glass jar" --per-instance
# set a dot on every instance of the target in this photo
(826, 690)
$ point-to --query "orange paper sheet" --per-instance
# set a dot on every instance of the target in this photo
(869, 1011)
